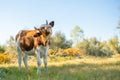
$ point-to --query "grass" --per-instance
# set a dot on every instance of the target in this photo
(87, 68)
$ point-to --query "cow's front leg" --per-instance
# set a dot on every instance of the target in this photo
(45, 62)
(38, 61)
(45, 58)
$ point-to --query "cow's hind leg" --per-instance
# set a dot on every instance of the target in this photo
(19, 57)
(25, 61)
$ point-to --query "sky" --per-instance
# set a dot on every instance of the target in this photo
(97, 18)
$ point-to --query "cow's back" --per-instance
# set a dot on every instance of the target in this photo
(28, 40)
(25, 39)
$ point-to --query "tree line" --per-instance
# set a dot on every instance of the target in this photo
(76, 45)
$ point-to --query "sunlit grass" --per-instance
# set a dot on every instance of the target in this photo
(87, 68)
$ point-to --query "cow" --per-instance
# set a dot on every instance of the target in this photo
(34, 42)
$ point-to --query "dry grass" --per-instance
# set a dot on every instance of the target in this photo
(87, 68)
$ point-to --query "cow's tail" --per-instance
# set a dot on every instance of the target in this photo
(17, 37)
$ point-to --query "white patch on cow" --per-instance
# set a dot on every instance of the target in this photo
(37, 31)
(25, 61)
(42, 51)
(37, 52)
(45, 58)
(18, 49)
(17, 41)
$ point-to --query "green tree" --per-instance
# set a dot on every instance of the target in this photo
(84, 45)
(2, 48)
(58, 40)
(113, 44)
(118, 26)
(94, 47)
(77, 34)
(11, 47)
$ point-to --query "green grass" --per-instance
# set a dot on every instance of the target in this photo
(66, 70)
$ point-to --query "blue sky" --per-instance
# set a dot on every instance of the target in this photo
(97, 18)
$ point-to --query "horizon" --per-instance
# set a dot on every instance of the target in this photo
(97, 18)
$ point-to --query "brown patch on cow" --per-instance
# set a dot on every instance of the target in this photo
(47, 33)
(32, 38)
(41, 40)
(26, 43)
(24, 33)
(31, 33)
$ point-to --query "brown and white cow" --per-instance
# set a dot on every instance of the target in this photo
(34, 42)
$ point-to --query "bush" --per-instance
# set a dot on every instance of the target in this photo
(51, 52)
(97, 50)
(59, 52)
(74, 52)
(2, 49)
(4, 58)
(106, 51)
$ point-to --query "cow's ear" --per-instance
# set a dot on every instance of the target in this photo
(37, 34)
(51, 23)
(36, 28)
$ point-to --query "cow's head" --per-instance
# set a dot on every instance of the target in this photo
(40, 31)
(45, 29)
(49, 27)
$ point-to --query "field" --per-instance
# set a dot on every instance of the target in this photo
(86, 68)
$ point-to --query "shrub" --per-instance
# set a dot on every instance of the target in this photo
(2, 49)
(11, 51)
(106, 51)
(97, 50)
(59, 52)
(119, 49)
(51, 52)
(73, 52)
(4, 58)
